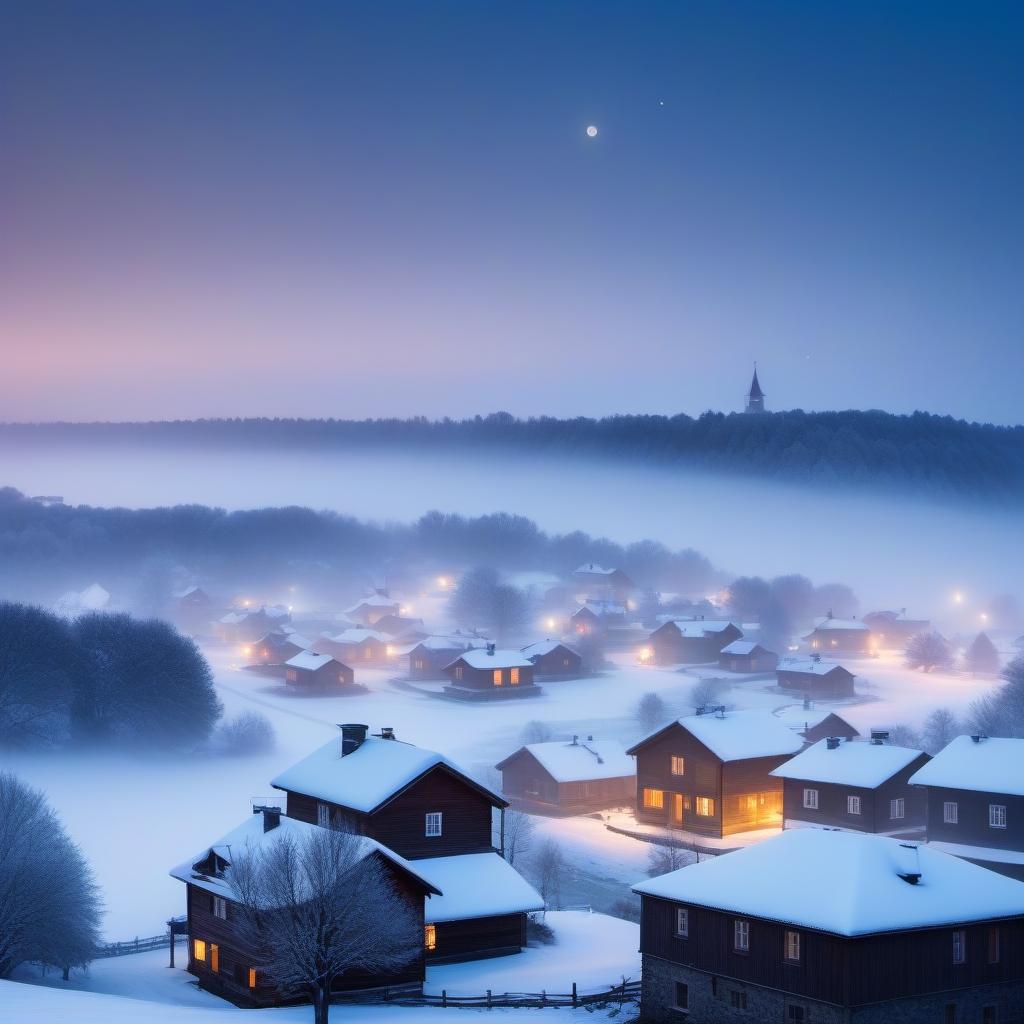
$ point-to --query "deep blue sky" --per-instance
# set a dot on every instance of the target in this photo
(379, 208)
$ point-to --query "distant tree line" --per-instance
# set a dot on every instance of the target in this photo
(100, 681)
(927, 453)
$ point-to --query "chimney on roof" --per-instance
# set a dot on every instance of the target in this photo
(879, 736)
(978, 738)
(590, 739)
(575, 739)
(720, 711)
(271, 816)
(912, 864)
(387, 732)
(807, 703)
(829, 616)
(832, 742)
(490, 650)
(352, 737)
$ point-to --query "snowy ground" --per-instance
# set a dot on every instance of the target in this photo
(134, 818)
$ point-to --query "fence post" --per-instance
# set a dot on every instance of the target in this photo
(488, 999)
(543, 996)
(574, 993)
(444, 998)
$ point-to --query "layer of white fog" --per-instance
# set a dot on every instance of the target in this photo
(892, 550)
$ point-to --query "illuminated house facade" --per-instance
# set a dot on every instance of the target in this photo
(491, 674)
(840, 636)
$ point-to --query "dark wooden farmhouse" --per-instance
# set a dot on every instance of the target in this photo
(194, 611)
(891, 630)
(491, 674)
(814, 723)
(691, 641)
(242, 626)
(596, 618)
(219, 953)
(814, 678)
(747, 656)
(856, 784)
(274, 649)
(710, 774)
(569, 778)
(816, 925)
(360, 647)
(311, 671)
(840, 636)
(975, 792)
(553, 659)
(429, 657)
(419, 804)
(401, 628)
(594, 582)
(370, 609)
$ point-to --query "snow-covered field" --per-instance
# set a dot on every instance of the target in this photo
(136, 817)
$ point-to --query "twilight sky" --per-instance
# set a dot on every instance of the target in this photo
(219, 208)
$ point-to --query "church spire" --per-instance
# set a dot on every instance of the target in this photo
(755, 397)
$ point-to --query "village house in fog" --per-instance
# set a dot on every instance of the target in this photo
(975, 796)
(310, 671)
(747, 656)
(692, 641)
(892, 630)
(711, 773)
(491, 674)
(839, 636)
(429, 657)
(359, 646)
(275, 649)
(552, 659)
(854, 784)
(403, 629)
(369, 610)
(814, 678)
(596, 583)
(814, 723)
(562, 777)
(817, 925)
(595, 618)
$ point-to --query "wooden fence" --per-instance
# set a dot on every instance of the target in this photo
(135, 945)
(626, 992)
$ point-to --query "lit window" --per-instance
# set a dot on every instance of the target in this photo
(430, 936)
(853, 805)
(678, 765)
(214, 957)
(793, 946)
(959, 946)
(811, 799)
(458, 671)
(496, 676)
(654, 799)
(682, 922)
(418, 664)
(993, 944)
(433, 823)
(220, 907)
(252, 977)
(705, 807)
(367, 653)
(997, 815)
(199, 950)
(513, 677)
(741, 936)
(949, 812)
(897, 808)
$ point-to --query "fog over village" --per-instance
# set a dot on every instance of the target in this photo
(511, 512)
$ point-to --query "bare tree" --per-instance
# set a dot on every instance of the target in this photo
(519, 832)
(929, 651)
(670, 854)
(652, 712)
(939, 728)
(318, 908)
(902, 735)
(49, 902)
(706, 692)
(547, 872)
(536, 732)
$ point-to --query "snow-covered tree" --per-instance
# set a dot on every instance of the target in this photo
(49, 903)
(319, 908)
(1002, 713)
(520, 828)
(669, 854)
(536, 731)
(707, 692)
(547, 869)
(929, 651)
(245, 735)
(652, 712)
(982, 655)
(940, 727)
(482, 601)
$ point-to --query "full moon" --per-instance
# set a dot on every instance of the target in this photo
(591, 130)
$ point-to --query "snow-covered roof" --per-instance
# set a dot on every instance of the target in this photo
(367, 777)
(593, 569)
(476, 885)
(308, 660)
(741, 734)
(233, 618)
(357, 636)
(541, 647)
(810, 666)
(480, 658)
(858, 763)
(895, 616)
(796, 716)
(827, 623)
(601, 608)
(374, 601)
(583, 761)
(275, 611)
(249, 838)
(449, 642)
(701, 627)
(847, 883)
(742, 647)
(992, 765)
(300, 641)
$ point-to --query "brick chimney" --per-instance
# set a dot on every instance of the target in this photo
(271, 816)
(352, 737)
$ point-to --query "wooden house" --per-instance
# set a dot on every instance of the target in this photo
(814, 678)
(891, 630)
(975, 793)
(425, 808)
(596, 618)
(361, 647)
(429, 657)
(569, 778)
(747, 656)
(840, 636)
(594, 582)
(691, 641)
(242, 626)
(710, 773)
(553, 659)
(401, 628)
(369, 610)
(194, 611)
(860, 785)
(491, 674)
(816, 925)
(310, 671)
(274, 649)
(812, 723)
(220, 956)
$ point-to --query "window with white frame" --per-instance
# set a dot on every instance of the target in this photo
(741, 936)
(950, 814)
(811, 799)
(682, 922)
(323, 815)
(220, 907)
(853, 805)
(997, 815)
(897, 808)
(433, 824)
(959, 946)
(678, 765)
(792, 950)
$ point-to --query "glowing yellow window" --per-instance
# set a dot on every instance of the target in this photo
(430, 936)
(367, 652)
(705, 807)
(514, 677)
(214, 957)
(199, 950)
(654, 799)
(497, 677)
(252, 977)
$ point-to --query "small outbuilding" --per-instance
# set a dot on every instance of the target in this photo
(815, 678)
(840, 636)
(491, 674)
(692, 641)
(747, 656)
(317, 672)
(553, 659)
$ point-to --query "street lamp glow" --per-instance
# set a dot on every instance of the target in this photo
(958, 597)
